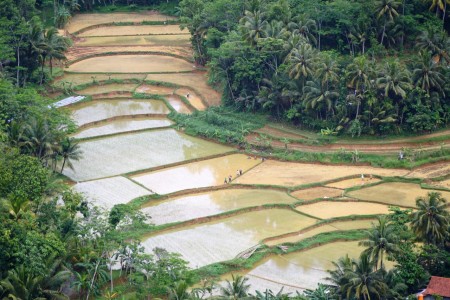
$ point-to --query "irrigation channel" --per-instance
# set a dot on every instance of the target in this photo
(130, 150)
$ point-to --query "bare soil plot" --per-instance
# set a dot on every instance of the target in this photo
(196, 80)
(394, 193)
(343, 225)
(348, 183)
(299, 270)
(75, 52)
(333, 209)
(97, 110)
(317, 192)
(172, 40)
(110, 191)
(204, 173)
(211, 203)
(155, 89)
(134, 30)
(292, 174)
(442, 184)
(114, 155)
(192, 97)
(107, 88)
(431, 171)
(131, 64)
(221, 240)
(177, 104)
(80, 21)
(120, 126)
(78, 79)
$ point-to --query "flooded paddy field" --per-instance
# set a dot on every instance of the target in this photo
(292, 174)
(134, 30)
(299, 270)
(211, 203)
(104, 157)
(222, 240)
(348, 183)
(394, 193)
(97, 110)
(107, 88)
(333, 226)
(171, 40)
(178, 105)
(203, 173)
(131, 64)
(334, 209)
(110, 191)
(120, 126)
(317, 192)
(75, 79)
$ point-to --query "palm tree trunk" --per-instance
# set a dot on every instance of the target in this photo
(443, 13)
(64, 162)
(384, 30)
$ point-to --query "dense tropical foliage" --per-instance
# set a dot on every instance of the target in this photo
(373, 67)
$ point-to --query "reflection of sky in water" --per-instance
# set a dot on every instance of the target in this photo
(117, 126)
(116, 155)
(99, 110)
(206, 204)
(199, 174)
(223, 240)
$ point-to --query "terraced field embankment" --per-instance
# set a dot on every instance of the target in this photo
(209, 202)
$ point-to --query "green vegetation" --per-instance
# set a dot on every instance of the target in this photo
(339, 65)
(220, 123)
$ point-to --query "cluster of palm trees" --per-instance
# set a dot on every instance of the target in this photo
(47, 44)
(366, 277)
(38, 138)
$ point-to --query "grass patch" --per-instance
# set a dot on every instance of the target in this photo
(219, 123)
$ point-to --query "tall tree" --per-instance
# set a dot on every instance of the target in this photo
(428, 75)
(236, 288)
(253, 26)
(70, 150)
(381, 239)
(431, 220)
(387, 10)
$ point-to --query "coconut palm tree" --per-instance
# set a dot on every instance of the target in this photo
(179, 291)
(439, 5)
(359, 77)
(394, 79)
(236, 288)
(318, 96)
(253, 26)
(363, 281)
(338, 276)
(438, 43)
(16, 206)
(428, 75)
(70, 150)
(386, 9)
(327, 70)
(431, 219)
(39, 138)
(301, 62)
(56, 46)
(380, 240)
(276, 30)
(304, 27)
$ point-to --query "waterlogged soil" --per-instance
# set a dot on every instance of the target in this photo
(96, 110)
(121, 126)
(80, 21)
(334, 209)
(211, 203)
(431, 171)
(299, 270)
(197, 81)
(335, 226)
(115, 155)
(348, 183)
(177, 104)
(108, 88)
(317, 192)
(222, 240)
(131, 64)
(78, 79)
(172, 40)
(192, 97)
(155, 89)
(110, 191)
(211, 172)
(292, 174)
(134, 30)
(394, 193)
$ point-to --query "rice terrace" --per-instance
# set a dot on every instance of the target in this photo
(237, 189)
